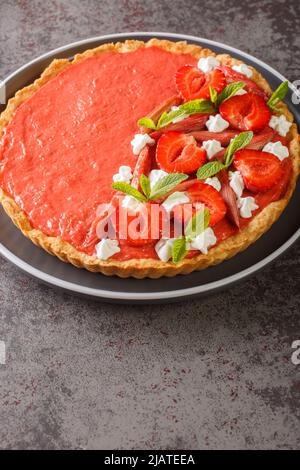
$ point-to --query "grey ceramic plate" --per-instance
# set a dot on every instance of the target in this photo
(36, 262)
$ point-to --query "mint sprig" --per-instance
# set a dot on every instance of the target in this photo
(166, 184)
(167, 118)
(278, 96)
(212, 168)
(209, 169)
(162, 187)
(145, 185)
(213, 95)
(147, 122)
(240, 141)
(126, 188)
(229, 91)
(196, 225)
(179, 249)
(200, 106)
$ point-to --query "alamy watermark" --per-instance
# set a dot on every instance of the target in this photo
(2, 352)
(295, 358)
(147, 220)
(296, 92)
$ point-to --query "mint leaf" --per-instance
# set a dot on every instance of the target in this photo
(190, 107)
(200, 106)
(128, 189)
(229, 91)
(147, 122)
(167, 118)
(179, 249)
(278, 96)
(209, 169)
(239, 142)
(166, 184)
(213, 95)
(145, 185)
(197, 224)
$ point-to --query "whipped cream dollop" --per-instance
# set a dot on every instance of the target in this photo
(156, 175)
(244, 69)
(130, 203)
(164, 247)
(246, 206)
(236, 182)
(174, 199)
(107, 248)
(212, 147)
(204, 241)
(278, 149)
(178, 118)
(124, 175)
(216, 123)
(207, 64)
(140, 141)
(280, 124)
(214, 182)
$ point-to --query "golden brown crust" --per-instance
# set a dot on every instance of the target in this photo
(141, 268)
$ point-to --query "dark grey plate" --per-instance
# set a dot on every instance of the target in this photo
(36, 262)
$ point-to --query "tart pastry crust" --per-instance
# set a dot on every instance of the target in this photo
(141, 268)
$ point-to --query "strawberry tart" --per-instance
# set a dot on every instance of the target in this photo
(147, 159)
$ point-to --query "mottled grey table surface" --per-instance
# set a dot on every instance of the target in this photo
(212, 373)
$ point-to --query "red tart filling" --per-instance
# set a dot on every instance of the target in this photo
(83, 130)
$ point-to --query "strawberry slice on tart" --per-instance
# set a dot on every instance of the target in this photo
(248, 112)
(260, 170)
(202, 194)
(142, 226)
(178, 153)
(193, 84)
(211, 198)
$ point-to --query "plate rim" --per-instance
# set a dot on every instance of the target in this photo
(166, 294)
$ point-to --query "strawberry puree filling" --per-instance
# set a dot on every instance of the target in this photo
(64, 144)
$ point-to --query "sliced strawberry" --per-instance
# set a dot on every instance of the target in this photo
(193, 122)
(230, 198)
(215, 79)
(260, 170)
(233, 76)
(103, 224)
(193, 84)
(275, 193)
(223, 137)
(189, 81)
(247, 112)
(178, 153)
(211, 198)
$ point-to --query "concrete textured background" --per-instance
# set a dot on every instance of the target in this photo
(212, 373)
